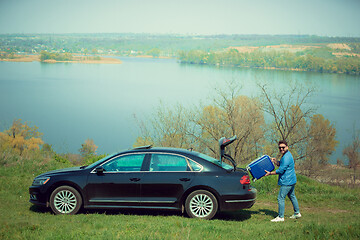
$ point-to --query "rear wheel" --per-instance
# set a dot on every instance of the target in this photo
(65, 200)
(201, 204)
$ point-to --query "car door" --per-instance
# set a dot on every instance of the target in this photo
(119, 184)
(168, 177)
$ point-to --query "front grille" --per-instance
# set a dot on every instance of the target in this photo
(33, 197)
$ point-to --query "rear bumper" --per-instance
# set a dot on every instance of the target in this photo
(237, 202)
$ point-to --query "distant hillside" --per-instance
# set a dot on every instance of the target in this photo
(286, 52)
(128, 43)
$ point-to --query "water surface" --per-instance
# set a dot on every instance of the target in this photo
(72, 102)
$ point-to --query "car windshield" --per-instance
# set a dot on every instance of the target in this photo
(97, 162)
(216, 161)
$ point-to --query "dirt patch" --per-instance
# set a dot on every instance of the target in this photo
(273, 205)
(267, 204)
(317, 209)
(335, 211)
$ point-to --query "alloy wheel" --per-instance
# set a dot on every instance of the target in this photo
(201, 204)
(65, 201)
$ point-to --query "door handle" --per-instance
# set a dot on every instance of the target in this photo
(134, 179)
(185, 179)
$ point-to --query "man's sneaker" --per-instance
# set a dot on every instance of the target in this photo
(278, 219)
(295, 216)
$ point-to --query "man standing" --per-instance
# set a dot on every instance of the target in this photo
(287, 181)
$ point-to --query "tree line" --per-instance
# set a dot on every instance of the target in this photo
(311, 137)
(258, 122)
(273, 59)
(45, 55)
(21, 141)
(169, 44)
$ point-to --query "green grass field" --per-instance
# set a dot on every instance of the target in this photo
(328, 213)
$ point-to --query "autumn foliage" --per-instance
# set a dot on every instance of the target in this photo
(259, 123)
(201, 128)
(88, 148)
(352, 153)
(21, 138)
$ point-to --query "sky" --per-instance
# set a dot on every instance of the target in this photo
(313, 17)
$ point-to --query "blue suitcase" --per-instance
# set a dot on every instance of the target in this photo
(258, 166)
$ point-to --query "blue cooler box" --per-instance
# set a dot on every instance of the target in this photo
(258, 166)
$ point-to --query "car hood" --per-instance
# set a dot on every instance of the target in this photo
(60, 171)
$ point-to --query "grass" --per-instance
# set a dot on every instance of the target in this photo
(329, 212)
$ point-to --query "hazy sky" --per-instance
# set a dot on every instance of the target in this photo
(319, 17)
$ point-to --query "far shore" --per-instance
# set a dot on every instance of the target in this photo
(104, 60)
(77, 59)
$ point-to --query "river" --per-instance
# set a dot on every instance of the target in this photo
(71, 102)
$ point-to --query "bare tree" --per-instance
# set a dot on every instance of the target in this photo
(200, 128)
(289, 112)
(287, 108)
(166, 128)
(352, 152)
(310, 136)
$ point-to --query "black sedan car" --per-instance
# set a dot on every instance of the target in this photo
(146, 177)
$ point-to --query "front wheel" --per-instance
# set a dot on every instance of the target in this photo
(65, 200)
(201, 204)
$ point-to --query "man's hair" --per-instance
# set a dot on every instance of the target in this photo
(282, 142)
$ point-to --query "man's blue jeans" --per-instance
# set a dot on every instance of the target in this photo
(290, 192)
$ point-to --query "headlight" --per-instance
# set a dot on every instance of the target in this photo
(40, 181)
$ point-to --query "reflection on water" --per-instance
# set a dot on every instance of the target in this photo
(73, 102)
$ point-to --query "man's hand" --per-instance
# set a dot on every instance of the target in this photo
(267, 173)
(275, 161)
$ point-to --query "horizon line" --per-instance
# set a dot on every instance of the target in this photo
(183, 34)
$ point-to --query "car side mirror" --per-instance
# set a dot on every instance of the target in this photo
(99, 170)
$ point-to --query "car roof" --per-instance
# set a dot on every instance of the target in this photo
(194, 155)
(162, 149)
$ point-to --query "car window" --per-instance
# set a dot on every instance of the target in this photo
(128, 163)
(101, 160)
(216, 161)
(195, 166)
(168, 163)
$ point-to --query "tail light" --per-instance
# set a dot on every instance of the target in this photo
(245, 179)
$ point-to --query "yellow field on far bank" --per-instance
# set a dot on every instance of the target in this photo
(286, 47)
(338, 49)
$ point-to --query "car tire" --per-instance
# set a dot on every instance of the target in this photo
(201, 204)
(65, 200)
